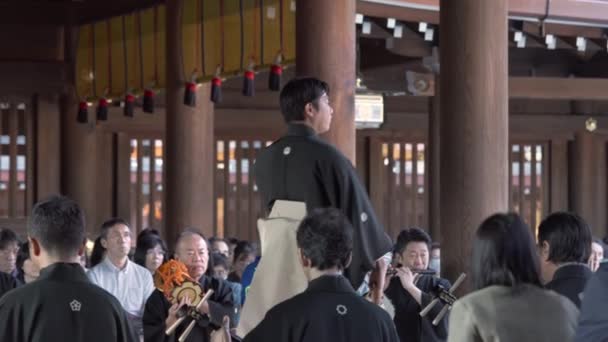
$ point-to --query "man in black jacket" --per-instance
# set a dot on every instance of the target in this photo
(565, 246)
(410, 292)
(329, 309)
(159, 314)
(62, 304)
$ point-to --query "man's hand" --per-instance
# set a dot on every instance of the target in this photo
(594, 262)
(378, 281)
(172, 314)
(408, 281)
(406, 277)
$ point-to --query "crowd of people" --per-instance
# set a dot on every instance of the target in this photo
(358, 284)
(522, 289)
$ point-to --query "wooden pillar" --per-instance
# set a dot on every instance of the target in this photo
(325, 46)
(79, 162)
(78, 145)
(47, 121)
(589, 180)
(434, 162)
(474, 123)
(189, 143)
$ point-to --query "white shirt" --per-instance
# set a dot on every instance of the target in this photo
(131, 286)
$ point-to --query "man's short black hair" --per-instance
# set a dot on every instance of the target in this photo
(22, 255)
(325, 236)
(105, 227)
(245, 248)
(299, 92)
(568, 235)
(7, 237)
(58, 225)
(220, 259)
(411, 235)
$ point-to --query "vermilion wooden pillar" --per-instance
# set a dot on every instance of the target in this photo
(474, 123)
(189, 147)
(325, 48)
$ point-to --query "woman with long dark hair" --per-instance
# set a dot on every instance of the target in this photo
(509, 303)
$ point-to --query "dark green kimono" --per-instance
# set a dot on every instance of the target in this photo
(302, 167)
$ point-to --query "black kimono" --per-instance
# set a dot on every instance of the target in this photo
(570, 280)
(62, 305)
(157, 308)
(7, 283)
(410, 326)
(302, 167)
(329, 310)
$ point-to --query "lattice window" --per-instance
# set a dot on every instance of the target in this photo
(528, 181)
(404, 191)
(237, 201)
(15, 149)
(146, 179)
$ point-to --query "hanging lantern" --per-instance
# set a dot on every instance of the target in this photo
(83, 112)
(274, 79)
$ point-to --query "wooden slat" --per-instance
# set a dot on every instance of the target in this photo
(227, 219)
(376, 189)
(520, 190)
(152, 183)
(391, 189)
(122, 197)
(238, 226)
(139, 186)
(12, 121)
(558, 178)
(31, 186)
(414, 188)
(251, 194)
(510, 173)
(534, 191)
(404, 190)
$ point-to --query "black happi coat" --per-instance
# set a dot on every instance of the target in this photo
(62, 305)
(410, 326)
(328, 311)
(157, 309)
(302, 167)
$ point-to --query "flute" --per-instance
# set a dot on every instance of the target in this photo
(393, 271)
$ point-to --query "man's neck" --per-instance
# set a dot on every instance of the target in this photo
(314, 273)
(49, 260)
(303, 122)
(120, 261)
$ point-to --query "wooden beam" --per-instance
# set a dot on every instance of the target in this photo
(550, 88)
(558, 88)
(574, 12)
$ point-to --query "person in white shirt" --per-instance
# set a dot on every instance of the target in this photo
(130, 283)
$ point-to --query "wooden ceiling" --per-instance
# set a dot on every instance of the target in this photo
(63, 12)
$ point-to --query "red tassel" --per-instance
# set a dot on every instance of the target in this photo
(274, 80)
(190, 94)
(102, 109)
(216, 90)
(249, 83)
(148, 103)
(83, 112)
(129, 109)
